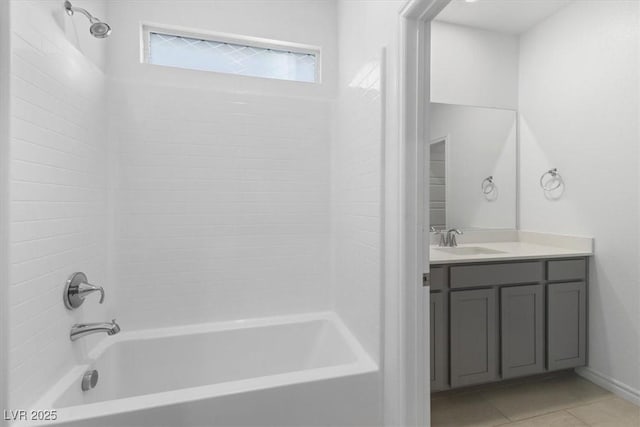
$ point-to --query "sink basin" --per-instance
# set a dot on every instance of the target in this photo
(469, 250)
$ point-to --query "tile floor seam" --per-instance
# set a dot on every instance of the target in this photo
(564, 411)
(613, 399)
(591, 402)
(499, 411)
(574, 417)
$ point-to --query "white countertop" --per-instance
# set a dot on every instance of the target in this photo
(522, 245)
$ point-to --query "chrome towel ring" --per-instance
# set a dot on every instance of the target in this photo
(553, 183)
(488, 185)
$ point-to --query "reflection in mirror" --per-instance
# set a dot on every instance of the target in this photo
(472, 158)
(438, 183)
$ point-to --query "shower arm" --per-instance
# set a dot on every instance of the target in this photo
(72, 9)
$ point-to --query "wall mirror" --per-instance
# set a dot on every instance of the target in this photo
(473, 168)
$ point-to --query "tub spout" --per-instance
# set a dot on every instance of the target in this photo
(80, 330)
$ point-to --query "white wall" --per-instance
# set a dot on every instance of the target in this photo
(58, 191)
(222, 182)
(579, 112)
(481, 143)
(473, 67)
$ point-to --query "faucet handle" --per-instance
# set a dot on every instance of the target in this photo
(87, 288)
(443, 237)
(77, 288)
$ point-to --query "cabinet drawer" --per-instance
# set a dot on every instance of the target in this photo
(438, 278)
(466, 276)
(569, 269)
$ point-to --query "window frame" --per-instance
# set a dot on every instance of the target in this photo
(147, 28)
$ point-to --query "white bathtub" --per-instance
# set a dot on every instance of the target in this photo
(305, 370)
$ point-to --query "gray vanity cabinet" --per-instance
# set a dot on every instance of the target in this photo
(522, 330)
(566, 325)
(497, 320)
(473, 335)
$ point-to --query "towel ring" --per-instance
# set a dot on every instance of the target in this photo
(488, 185)
(555, 177)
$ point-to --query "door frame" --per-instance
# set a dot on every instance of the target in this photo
(411, 404)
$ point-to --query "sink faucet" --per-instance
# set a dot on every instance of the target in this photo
(450, 240)
(442, 233)
(80, 330)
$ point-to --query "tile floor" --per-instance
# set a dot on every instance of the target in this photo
(557, 400)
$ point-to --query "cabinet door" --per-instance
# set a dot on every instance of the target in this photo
(474, 330)
(522, 330)
(566, 325)
(437, 342)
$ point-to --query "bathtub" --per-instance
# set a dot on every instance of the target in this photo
(303, 370)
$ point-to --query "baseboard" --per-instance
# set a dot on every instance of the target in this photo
(624, 391)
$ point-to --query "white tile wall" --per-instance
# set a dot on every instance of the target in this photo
(214, 204)
(58, 197)
(223, 204)
(5, 52)
(357, 173)
(357, 214)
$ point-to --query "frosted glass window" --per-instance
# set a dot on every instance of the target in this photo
(230, 58)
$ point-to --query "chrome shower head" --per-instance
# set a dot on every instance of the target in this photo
(98, 28)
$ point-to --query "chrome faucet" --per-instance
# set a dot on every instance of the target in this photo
(447, 238)
(450, 240)
(442, 233)
(80, 330)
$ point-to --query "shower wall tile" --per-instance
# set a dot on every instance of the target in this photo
(223, 204)
(357, 198)
(357, 167)
(58, 197)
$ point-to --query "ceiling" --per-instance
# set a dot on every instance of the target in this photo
(504, 16)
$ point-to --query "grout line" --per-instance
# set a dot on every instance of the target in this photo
(580, 420)
(497, 409)
(598, 400)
